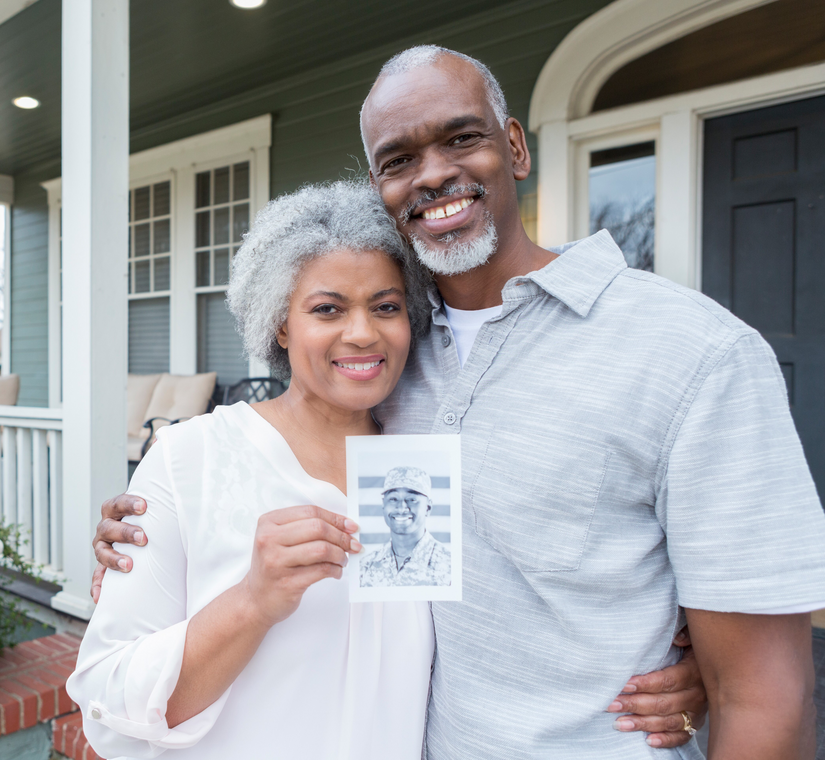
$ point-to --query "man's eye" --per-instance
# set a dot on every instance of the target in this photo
(461, 139)
(395, 163)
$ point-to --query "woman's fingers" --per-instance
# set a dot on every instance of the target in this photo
(655, 724)
(682, 676)
(314, 553)
(310, 512)
(692, 700)
(668, 740)
(315, 529)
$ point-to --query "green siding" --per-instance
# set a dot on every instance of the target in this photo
(29, 287)
(315, 114)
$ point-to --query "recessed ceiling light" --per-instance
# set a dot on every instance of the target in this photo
(248, 3)
(26, 102)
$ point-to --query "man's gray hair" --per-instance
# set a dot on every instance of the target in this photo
(294, 229)
(426, 55)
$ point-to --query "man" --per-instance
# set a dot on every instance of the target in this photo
(627, 449)
(412, 557)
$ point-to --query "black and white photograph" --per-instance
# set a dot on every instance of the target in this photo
(405, 494)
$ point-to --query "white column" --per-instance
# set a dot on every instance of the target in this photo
(676, 249)
(183, 332)
(95, 144)
(555, 182)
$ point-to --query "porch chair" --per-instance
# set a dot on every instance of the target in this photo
(9, 390)
(153, 401)
(252, 389)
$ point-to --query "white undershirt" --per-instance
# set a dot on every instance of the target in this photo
(465, 326)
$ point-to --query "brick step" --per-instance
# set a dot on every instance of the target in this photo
(33, 691)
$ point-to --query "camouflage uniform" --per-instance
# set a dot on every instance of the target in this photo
(429, 565)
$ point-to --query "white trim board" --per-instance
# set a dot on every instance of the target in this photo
(569, 83)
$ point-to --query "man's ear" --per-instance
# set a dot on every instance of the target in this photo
(373, 183)
(518, 149)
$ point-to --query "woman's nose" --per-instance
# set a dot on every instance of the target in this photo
(360, 330)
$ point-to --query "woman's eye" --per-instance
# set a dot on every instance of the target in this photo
(388, 308)
(325, 308)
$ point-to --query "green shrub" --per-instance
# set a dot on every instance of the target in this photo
(12, 616)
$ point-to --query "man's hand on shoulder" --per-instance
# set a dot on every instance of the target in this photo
(112, 530)
(657, 700)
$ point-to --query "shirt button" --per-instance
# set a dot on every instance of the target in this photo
(96, 714)
(446, 340)
(449, 418)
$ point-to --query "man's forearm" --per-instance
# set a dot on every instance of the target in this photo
(759, 732)
(758, 671)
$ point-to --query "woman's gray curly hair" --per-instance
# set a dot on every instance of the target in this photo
(296, 228)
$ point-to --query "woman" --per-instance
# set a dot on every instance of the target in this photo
(233, 635)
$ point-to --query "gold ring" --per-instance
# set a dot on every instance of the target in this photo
(688, 725)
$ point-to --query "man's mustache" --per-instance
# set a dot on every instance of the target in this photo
(428, 196)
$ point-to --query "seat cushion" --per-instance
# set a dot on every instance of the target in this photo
(181, 396)
(139, 389)
(9, 389)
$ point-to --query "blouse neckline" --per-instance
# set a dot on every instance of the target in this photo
(271, 442)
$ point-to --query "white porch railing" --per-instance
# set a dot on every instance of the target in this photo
(31, 481)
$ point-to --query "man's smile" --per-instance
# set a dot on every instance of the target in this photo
(448, 209)
(443, 216)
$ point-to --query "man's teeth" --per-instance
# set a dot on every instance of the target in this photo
(448, 210)
(358, 366)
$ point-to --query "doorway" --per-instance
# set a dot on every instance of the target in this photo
(763, 244)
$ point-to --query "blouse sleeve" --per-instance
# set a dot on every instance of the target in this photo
(130, 658)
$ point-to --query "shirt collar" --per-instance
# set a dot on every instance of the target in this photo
(582, 271)
(580, 274)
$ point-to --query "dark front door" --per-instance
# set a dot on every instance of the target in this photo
(763, 244)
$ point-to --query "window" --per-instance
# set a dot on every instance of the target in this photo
(150, 252)
(150, 238)
(221, 218)
(622, 199)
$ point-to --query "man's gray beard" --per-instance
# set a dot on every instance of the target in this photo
(459, 256)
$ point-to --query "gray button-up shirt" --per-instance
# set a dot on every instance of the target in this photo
(627, 448)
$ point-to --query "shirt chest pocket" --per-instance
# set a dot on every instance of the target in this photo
(536, 507)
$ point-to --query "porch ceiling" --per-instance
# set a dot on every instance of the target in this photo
(188, 54)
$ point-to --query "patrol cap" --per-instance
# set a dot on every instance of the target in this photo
(413, 478)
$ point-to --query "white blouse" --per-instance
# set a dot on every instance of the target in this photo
(335, 681)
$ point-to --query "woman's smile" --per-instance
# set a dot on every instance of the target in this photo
(360, 367)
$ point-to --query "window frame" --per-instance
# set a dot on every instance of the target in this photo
(582, 149)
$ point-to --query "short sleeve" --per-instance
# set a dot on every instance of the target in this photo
(130, 658)
(744, 525)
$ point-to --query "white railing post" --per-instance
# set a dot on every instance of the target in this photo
(40, 497)
(95, 184)
(9, 474)
(56, 500)
(24, 488)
